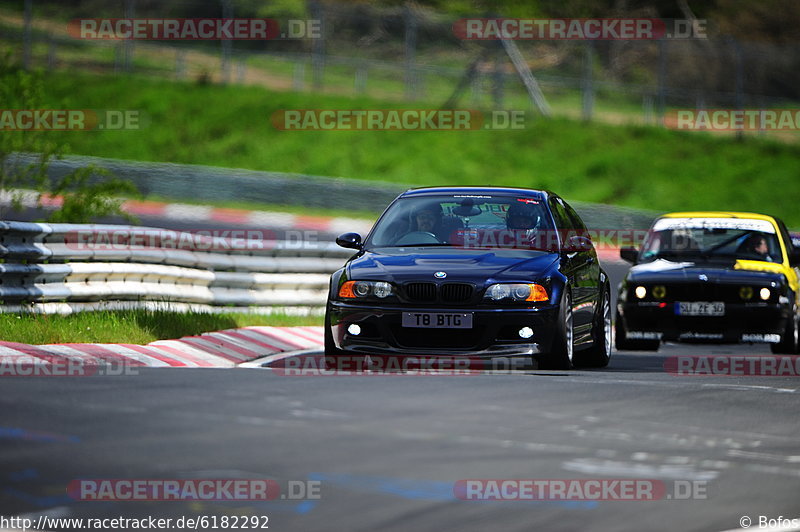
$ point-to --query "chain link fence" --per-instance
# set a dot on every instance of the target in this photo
(413, 53)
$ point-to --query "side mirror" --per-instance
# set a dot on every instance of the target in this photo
(629, 254)
(349, 240)
(794, 257)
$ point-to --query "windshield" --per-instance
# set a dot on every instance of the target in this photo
(465, 221)
(709, 239)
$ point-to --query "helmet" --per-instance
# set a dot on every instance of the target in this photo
(522, 216)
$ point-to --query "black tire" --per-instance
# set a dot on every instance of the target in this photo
(561, 350)
(599, 354)
(622, 343)
(789, 339)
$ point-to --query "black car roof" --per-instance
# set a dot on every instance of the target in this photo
(478, 191)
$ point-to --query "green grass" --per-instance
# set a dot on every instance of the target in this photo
(636, 166)
(134, 326)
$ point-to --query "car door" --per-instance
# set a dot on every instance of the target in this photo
(580, 260)
(794, 273)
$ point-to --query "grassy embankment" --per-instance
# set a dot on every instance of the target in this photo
(634, 166)
(136, 326)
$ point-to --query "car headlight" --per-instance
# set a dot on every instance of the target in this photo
(365, 289)
(529, 292)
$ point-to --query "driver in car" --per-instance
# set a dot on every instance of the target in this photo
(520, 217)
(756, 247)
(428, 218)
(523, 219)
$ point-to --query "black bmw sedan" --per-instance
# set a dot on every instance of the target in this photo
(466, 271)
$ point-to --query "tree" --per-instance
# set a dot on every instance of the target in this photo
(87, 193)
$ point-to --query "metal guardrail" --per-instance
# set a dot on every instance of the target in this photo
(215, 184)
(82, 264)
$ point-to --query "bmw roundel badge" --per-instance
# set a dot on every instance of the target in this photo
(440, 275)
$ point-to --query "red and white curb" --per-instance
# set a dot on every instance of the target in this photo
(219, 349)
(206, 213)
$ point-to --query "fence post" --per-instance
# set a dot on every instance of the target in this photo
(662, 79)
(227, 13)
(119, 53)
(647, 106)
(588, 81)
(27, 35)
(127, 61)
(180, 63)
(241, 69)
(299, 76)
(739, 94)
(318, 46)
(498, 84)
(475, 88)
(51, 53)
(360, 81)
(410, 51)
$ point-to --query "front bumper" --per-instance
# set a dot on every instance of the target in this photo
(742, 323)
(494, 331)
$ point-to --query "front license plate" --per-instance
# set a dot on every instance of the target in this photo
(700, 308)
(437, 320)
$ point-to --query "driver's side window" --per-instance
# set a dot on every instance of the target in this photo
(560, 214)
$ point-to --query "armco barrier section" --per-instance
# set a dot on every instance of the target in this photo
(81, 264)
(215, 184)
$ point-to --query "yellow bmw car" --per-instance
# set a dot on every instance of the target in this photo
(724, 277)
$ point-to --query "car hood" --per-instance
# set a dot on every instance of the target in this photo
(399, 265)
(665, 271)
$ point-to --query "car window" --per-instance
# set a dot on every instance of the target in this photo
(505, 221)
(708, 240)
(575, 220)
(560, 214)
(785, 235)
